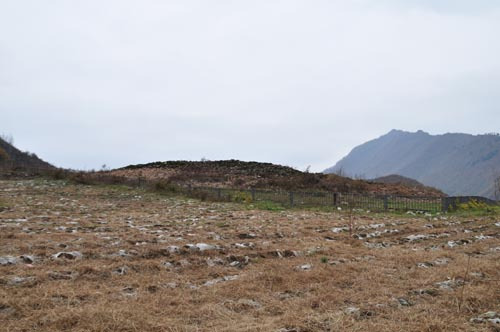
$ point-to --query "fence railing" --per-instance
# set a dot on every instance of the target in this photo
(323, 199)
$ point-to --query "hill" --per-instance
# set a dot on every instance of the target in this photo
(241, 174)
(14, 160)
(459, 164)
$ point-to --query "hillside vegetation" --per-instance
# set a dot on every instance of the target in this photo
(458, 164)
(13, 160)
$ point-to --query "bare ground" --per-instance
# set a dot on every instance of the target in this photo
(253, 270)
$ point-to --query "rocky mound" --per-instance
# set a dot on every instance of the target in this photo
(241, 174)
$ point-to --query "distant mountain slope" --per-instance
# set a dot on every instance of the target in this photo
(12, 158)
(459, 164)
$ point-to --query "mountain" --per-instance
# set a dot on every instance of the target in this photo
(458, 164)
(11, 158)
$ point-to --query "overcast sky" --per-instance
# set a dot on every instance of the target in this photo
(298, 83)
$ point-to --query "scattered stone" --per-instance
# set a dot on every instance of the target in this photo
(247, 236)
(279, 235)
(482, 237)
(231, 278)
(477, 274)
(244, 245)
(415, 238)
(428, 291)
(201, 247)
(8, 260)
(62, 275)
(242, 305)
(352, 310)
(68, 255)
(441, 261)
(377, 245)
(364, 258)
(171, 285)
(20, 280)
(222, 279)
(291, 253)
(339, 229)
(28, 259)
(449, 284)
(183, 263)
(490, 316)
(291, 329)
(129, 291)
(168, 265)
(338, 261)
(425, 265)
(173, 249)
(452, 244)
(215, 261)
(288, 294)
(404, 302)
(305, 267)
(6, 310)
(122, 270)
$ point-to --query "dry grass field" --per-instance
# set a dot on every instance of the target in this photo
(104, 258)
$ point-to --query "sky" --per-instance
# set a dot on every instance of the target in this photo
(297, 83)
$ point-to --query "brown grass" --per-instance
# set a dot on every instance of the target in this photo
(271, 293)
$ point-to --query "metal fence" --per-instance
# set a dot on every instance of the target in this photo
(321, 199)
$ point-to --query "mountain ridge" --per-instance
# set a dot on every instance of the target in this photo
(459, 164)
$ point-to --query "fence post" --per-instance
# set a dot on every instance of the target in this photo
(291, 198)
(335, 199)
(386, 203)
(445, 204)
(253, 194)
(219, 193)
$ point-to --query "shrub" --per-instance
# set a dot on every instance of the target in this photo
(242, 197)
(82, 178)
(473, 205)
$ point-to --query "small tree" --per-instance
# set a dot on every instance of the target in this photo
(7, 138)
(340, 171)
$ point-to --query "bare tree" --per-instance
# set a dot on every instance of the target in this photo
(7, 138)
(340, 171)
